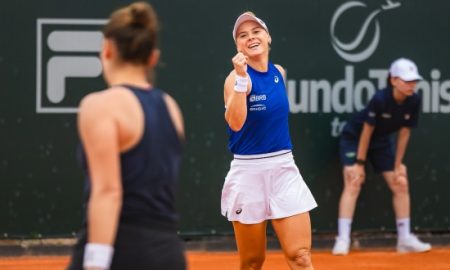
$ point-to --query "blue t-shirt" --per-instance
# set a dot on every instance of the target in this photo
(385, 114)
(266, 128)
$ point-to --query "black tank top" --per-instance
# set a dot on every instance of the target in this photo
(150, 169)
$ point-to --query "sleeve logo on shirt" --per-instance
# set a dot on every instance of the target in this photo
(407, 116)
(276, 79)
(386, 115)
(372, 114)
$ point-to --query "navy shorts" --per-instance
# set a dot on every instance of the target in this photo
(380, 154)
(139, 247)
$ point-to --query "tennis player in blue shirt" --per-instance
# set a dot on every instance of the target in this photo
(264, 182)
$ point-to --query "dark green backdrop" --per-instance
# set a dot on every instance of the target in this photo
(41, 183)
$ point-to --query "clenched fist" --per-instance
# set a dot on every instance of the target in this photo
(240, 64)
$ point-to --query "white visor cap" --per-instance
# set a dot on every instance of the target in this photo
(248, 17)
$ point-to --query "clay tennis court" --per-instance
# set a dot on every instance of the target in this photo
(436, 259)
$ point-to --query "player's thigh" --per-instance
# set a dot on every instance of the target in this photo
(250, 239)
(294, 233)
(382, 157)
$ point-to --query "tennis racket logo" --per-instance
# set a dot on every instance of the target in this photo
(353, 51)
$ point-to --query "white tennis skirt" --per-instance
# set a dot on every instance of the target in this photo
(262, 187)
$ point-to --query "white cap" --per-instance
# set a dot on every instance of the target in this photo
(247, 16)
(405, 69)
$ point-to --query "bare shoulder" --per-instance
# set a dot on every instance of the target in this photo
(170, 101)
(92, 103)
(175, 114)
(95, 118)
(281, 69)
(105, 104)
(102, 100)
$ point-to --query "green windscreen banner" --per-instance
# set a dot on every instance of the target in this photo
(336, 53)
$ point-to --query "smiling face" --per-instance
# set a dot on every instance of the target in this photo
(252, 40)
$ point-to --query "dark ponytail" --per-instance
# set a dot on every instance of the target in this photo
(134, 29)
(140, 17)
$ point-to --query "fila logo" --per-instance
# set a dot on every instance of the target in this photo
(68, 63)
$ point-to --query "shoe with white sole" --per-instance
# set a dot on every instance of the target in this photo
(412, 244)
(341, 246)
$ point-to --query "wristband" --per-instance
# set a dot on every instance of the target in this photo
(98, 255)
(241, 83)
(360, 161)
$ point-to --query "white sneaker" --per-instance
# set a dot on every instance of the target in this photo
(412, 244)
(341, 246)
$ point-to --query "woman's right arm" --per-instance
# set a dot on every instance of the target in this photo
(363, 146)
(364, 141)
(236, 88)
(99, 134)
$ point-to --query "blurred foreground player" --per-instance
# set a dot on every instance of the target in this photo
(131, 136)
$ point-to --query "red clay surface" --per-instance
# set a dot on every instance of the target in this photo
(436, 259)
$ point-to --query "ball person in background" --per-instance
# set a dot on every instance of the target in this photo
(132, 136)
(368, 135)
(263, 182)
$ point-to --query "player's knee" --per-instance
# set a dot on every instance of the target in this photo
(301, 258)
(353, 188)
(356, 185)
(253, 262)
(404, 187)
(399, 185)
